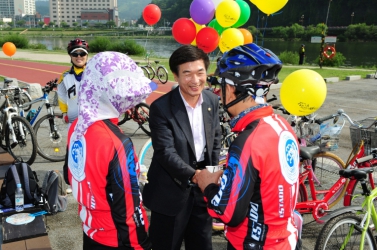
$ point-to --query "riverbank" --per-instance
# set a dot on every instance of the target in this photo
(61, 58)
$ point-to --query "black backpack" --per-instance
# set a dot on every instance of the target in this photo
(20, 172)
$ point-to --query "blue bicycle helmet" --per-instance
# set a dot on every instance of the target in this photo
(251, 69)
(249, 63)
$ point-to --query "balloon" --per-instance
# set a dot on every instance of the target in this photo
(198, 27)
(207, 39)
(230, 38)
(245, 13)
(214, 24)
(202, 11)
(247, 36)
(227, 13)
(303, 92)
(151, 14)
(269, 6)
(216, 2)
(9, 48)
(184, 30)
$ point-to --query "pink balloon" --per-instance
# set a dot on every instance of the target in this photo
(184, 31)
(207, 39)
(202, 11)
(151, 14)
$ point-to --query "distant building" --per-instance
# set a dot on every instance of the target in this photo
(12, 8)
(80, 11)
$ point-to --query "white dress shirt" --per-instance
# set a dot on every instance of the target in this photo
(195, 116)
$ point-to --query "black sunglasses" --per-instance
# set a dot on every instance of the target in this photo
(75, 54)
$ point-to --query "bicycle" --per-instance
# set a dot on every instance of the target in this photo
(16, 93)
(50, 130)
(140, 114)
(160, 71)
(342, 188)
(344, 228)
(16, 134)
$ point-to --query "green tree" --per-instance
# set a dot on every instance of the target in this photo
(85, 24)
(41, 23)
(75, 24)
(21, 23)
(64, 25)
(110, 24)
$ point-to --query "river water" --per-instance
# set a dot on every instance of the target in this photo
(356, 53)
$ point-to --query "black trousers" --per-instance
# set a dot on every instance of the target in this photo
(89, 244)
(301, 59)
(192, 224)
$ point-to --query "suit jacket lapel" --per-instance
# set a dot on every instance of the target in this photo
(179, 111)
(207, 119)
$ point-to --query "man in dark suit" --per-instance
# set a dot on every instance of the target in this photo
(186, 137)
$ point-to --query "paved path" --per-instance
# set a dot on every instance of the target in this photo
(357, 98)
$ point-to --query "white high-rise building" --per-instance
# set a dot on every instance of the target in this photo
(12, 8)
(69, 11)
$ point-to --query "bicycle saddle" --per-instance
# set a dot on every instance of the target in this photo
(307, 153)
(359, 174)
(156, 62)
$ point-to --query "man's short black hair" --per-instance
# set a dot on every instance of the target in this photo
(187, 53)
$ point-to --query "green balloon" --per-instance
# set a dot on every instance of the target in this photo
(214, 24)
(245, 13)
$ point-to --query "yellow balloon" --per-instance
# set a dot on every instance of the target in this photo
(303, 92)
(230, 38)
(269, 6)
(198, 27)
(227, 13)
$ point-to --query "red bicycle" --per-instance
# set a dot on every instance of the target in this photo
(140, 114)
(320, 199)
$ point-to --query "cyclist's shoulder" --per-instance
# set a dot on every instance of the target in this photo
(66, 72)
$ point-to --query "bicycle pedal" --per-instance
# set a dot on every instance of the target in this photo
(14, 144)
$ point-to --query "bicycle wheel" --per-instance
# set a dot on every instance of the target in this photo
(356, 197)
(326, 168)
(51, 132)
(146, 153)
(145, 157)
(141, 116)
(146, 72)
(336, 232)
(162, 74)
(26, 146)
(123, 118)
(152, 72)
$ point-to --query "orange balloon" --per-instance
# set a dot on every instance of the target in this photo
(9, 49)
(248, 38)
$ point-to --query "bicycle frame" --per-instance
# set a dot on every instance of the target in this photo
(8, 111)
(314, 205)
(44, 101)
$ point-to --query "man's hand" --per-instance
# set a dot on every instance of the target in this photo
(65, 118)
(204, 178)
(143, 179)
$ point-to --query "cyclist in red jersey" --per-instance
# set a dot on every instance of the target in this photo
(257, 193)
(103, 167)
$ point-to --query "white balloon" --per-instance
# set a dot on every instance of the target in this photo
(216, 2)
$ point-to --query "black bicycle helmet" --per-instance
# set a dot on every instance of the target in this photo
(250, 68)
(77, 44)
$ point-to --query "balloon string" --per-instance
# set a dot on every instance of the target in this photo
(256, 36)
(265, 26)
(146, 40)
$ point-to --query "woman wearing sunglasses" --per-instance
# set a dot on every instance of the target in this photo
(70, 80)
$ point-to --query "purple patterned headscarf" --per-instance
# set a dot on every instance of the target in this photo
(111, 84)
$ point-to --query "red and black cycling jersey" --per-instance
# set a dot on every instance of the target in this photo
(258, 189)
(102, 170)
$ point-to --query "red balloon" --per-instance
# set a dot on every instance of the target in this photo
(184, 31)
(151, 14)
(207, 39)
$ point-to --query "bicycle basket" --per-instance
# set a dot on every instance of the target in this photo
(330, 133)
(368, 135)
